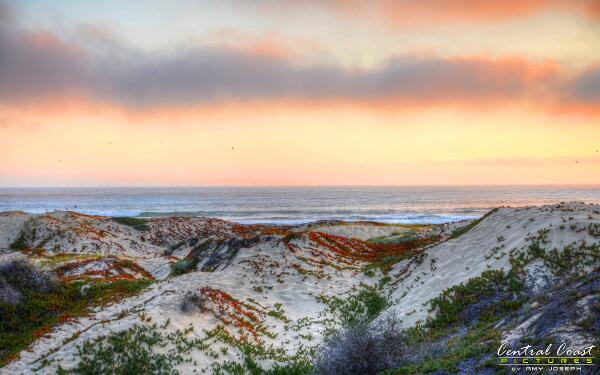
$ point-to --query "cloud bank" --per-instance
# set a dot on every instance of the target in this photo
(37, 66)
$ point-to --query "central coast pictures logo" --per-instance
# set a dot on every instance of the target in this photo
(552, 358)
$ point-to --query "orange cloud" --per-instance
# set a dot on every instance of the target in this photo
(431, 12)
(41, 68)
(269, 45)
(453, 11)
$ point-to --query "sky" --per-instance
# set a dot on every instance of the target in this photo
(299, 92)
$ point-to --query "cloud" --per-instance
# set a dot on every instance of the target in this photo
(6, 14)
(434, 12)
(266, 44)
(456, 11)
(586, 87)
(39, 66)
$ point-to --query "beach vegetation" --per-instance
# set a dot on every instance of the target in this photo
(248, 366)
(484, 298)
(363, 348)
(183, 266)
(388, 252)
(20, 243)
(45, 302)
(136, 223)
(362, 307)
(594, 230)
(192, 302)
(461, 328)
(131, 352)
(147, 349)
(467, 317)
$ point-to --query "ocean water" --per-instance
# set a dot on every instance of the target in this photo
(291, 205)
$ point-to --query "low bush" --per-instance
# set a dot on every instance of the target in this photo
(364, 349)
(9, 294)
(20, 277)
(134, 222)
(192, 302)
(183, 266)
(19, 243)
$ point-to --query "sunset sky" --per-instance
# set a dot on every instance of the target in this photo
(300, 92)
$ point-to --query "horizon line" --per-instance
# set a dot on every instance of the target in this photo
(295, 186)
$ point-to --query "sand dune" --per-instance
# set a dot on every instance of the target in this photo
(279, 269)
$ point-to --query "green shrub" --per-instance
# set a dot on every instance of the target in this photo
(19, 243)
(183, 266)
(358, 308)
(480, 298)
(19, 276)
(294, 368)
(134, 222)
(594, 230)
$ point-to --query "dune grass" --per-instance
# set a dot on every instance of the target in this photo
(464, 229)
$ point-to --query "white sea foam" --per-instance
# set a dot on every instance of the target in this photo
(291, 206)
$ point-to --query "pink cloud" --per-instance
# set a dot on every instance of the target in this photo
(39, 66)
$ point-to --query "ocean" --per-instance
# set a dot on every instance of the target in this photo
(293, 205)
